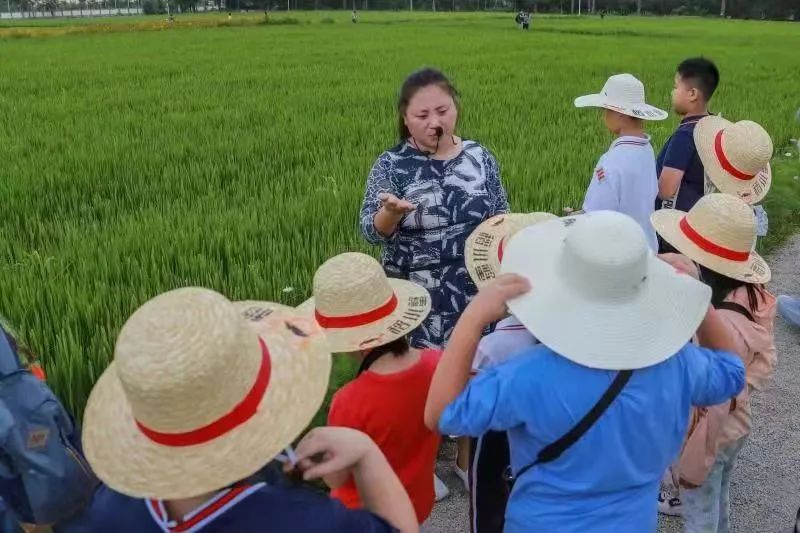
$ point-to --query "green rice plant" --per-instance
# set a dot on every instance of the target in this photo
(140, 157)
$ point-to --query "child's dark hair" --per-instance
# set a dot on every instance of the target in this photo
(416, 81)
(702, 74)
(722, 286)
(397, 348)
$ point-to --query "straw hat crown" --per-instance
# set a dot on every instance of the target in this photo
(605, 269)
(178, 350)
(624, 88)
(724, 220)
(747, 146)
(350, 284)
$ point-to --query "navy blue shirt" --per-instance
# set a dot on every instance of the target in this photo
(259, 507)
(680, 153)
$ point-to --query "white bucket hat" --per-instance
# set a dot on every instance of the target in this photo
(199, 397)
(485, 246)
(624, 94)
(359, 307)
(600, 297)
(719, 232)
(735, 156)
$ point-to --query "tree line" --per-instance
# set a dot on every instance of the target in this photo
(746, 9)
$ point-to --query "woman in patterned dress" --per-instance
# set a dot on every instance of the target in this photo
(425, 196)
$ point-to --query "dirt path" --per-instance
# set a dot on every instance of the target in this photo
(766, 483)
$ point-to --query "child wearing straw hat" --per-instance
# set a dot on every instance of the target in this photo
(201, 395)
(624, 179)
(719, 234)
(367, 315)
(598, 410)
(489, 454)
(736, 160)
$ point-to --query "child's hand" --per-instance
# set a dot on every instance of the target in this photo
(490, 304)
(332, 452)
(681, 264)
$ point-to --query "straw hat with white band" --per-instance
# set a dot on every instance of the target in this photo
(199, 397)
(624, 94)
(735, 156)
(719, 232)
(484, 248)
(360, 307)
(600, 297)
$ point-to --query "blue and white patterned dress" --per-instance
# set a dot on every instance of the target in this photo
(451, 197)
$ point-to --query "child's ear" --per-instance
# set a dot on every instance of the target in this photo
(694, 94)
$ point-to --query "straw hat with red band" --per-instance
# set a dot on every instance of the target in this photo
(735, 156)
(484, 249)
(202, 393)
(360, 307)
(719, 233)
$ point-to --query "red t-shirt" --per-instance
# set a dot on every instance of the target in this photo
(390, 408)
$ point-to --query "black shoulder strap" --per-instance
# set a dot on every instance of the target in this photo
(553, 451)
(737, 308)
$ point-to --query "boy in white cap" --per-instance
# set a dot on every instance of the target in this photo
(201, 395)
(596, 412)
(624, 179)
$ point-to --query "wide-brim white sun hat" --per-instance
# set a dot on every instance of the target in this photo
(599, 296)
(484, 249)
(624, 94)
(202, 394)
(359, 307)
(735, 156)
(719, 232)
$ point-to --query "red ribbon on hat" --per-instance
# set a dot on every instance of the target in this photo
(237, 416)
(354, 321)
(500, 248)
(725, 163)
(711, 247)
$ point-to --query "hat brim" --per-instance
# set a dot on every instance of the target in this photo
(413, 306)
(667, 223)
(635, 333)
(641, 111)
(482, 249)
(129, 462)
(750, 191)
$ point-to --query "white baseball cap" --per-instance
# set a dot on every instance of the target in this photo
(624, 94)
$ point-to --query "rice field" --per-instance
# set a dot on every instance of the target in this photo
(139, 156)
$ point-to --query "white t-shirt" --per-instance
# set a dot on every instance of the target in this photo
(508, 339)
(625, 180)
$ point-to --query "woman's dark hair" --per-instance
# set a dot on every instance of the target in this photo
(722, 286)
(416, 81)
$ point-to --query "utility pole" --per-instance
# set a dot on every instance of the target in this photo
(722, 9)
(579, 8)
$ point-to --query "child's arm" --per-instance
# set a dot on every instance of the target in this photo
(679, 155)
(669, 182)
(453, 371)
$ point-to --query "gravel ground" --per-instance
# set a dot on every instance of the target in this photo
(765, 492)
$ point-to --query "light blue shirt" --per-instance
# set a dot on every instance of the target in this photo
(607, 481)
